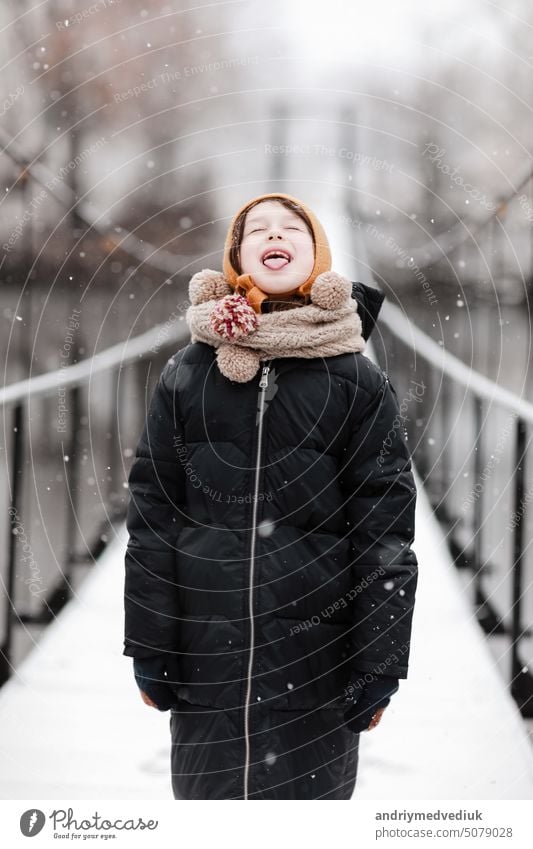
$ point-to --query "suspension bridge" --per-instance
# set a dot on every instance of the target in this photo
(457, 728)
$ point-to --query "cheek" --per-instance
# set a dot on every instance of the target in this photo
(248, 255)
(306, 252)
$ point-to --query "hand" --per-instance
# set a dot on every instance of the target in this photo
(147, 700)
(155, 677)
(376, 718)
(362, 718)
(370, 706)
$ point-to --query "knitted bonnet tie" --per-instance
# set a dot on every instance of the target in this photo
(243, 284)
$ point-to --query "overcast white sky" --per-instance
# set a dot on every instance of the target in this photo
(349, 30)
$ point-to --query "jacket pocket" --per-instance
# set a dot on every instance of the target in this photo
(303, 665)
(211, 660)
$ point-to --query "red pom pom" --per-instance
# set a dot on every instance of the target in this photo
(233, 317)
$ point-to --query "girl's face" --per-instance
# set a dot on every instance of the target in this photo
(276, 249)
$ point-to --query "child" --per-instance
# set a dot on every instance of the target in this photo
(270, 582)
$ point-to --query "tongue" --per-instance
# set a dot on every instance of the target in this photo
(276, 262)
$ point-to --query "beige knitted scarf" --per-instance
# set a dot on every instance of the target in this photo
(327, 326)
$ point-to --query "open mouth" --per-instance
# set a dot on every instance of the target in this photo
(276, 259)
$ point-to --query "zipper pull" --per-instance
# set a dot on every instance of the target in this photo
(263, 383)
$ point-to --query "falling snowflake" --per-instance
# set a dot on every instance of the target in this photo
(265, 528)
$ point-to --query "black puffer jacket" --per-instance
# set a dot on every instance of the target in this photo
(269, 552)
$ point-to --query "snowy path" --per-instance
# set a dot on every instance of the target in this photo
(73, 726)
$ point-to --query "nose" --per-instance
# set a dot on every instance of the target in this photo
(275, 235)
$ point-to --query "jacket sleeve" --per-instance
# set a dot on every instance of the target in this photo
(380, 493)
(154, 520)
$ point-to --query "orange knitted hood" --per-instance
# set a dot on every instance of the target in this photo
(244, 284)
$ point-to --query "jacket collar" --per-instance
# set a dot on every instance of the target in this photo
(369, 302)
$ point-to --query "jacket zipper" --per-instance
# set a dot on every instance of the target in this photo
(263, 384)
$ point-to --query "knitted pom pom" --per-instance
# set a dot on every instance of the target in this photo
(331, 291)
(208, 285)
(233, 317)
(237, 363)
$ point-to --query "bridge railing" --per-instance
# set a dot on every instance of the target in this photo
(485, 397)
(20, 404)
